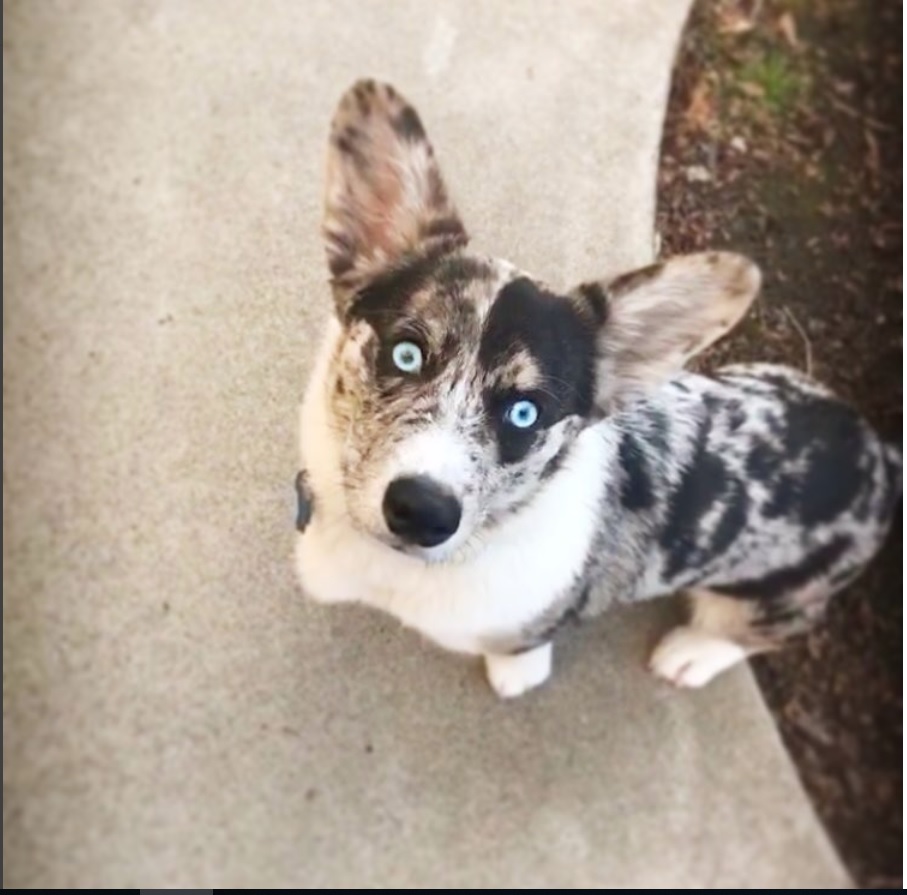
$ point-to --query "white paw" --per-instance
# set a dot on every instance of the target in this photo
(689, 657)
(513, 675)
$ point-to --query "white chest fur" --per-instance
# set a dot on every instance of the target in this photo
(524, 566)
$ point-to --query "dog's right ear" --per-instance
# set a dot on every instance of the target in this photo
(385, 197)
(651, 321)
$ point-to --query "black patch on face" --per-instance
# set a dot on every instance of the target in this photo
(636, 483)
(513, 443)
(786, 581)
(562, 344)
(705, 482)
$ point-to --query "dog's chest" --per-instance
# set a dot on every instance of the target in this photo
(460, 607)
(527, 565)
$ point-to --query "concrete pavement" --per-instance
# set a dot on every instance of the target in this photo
(174, 713)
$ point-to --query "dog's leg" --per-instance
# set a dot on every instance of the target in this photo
(724, 630)
(514, 674)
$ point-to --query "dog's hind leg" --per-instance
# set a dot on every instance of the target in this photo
(725, 630)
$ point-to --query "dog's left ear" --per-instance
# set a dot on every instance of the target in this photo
(385, 197)
(652, 321)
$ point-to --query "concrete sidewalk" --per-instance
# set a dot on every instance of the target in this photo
(174, 713)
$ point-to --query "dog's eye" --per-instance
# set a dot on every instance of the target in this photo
(522, 414)
(407, 357)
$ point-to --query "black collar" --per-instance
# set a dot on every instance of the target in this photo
(305, 501)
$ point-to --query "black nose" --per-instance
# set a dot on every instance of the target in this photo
(420, 511)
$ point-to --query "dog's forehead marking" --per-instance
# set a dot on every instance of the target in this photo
(434, 287)
(518, 371)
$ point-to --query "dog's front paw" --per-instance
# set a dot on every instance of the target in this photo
(513, 675)
(688, 657)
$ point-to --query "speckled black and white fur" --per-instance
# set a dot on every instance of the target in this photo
(755, 491)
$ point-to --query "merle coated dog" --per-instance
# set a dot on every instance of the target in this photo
(486, 455)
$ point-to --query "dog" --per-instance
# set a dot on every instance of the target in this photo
(486, 457)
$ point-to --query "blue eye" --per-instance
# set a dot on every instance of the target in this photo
(522, 414)
(407, 357)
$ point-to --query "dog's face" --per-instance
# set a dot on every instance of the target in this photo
(459, 385)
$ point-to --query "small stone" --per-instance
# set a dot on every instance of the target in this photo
(697, 174)
(738, 144)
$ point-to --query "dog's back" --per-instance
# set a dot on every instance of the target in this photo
(756, 482)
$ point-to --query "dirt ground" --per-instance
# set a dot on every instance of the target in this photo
(784, 140)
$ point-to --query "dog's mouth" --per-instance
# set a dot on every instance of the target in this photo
(429, 555)
(446, 552)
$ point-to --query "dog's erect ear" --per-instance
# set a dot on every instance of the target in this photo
(385, 197)
(653, 320)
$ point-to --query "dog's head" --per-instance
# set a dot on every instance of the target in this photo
(459, 384)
